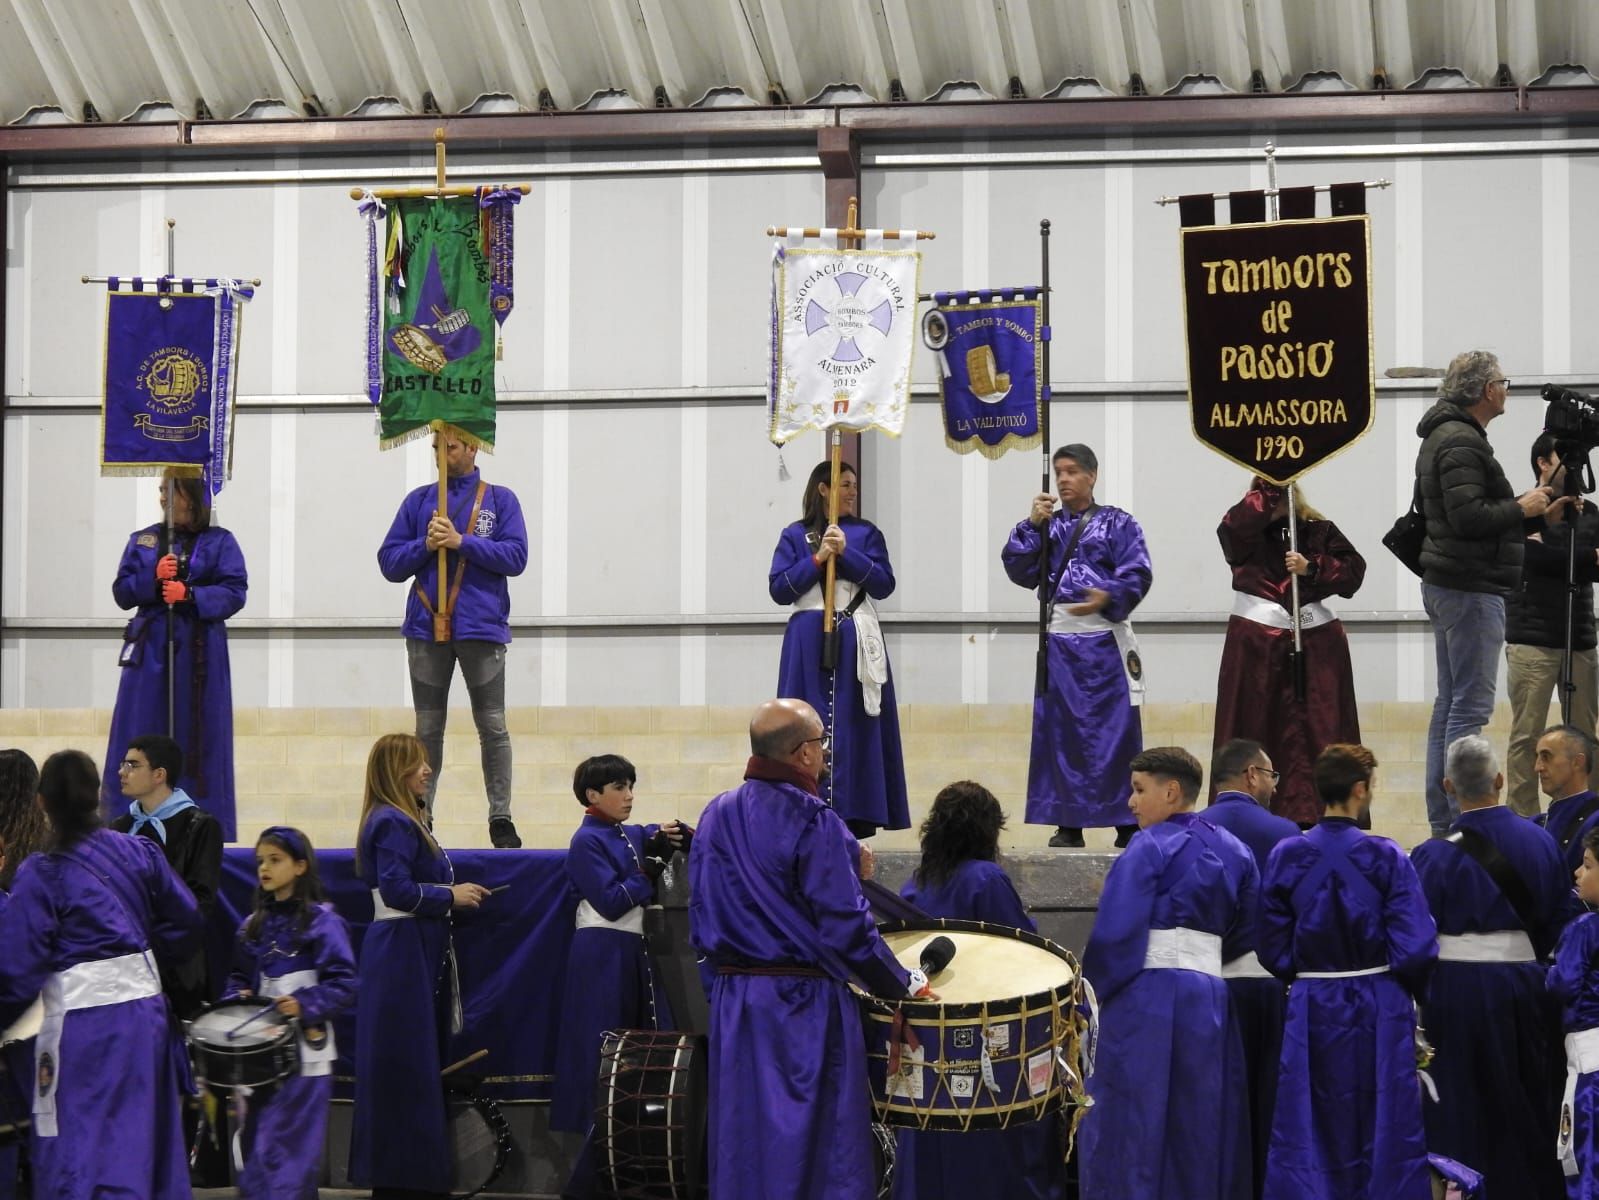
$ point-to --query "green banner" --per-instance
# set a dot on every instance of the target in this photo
(438, 328)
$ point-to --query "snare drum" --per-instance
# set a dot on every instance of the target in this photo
(649, 1131)
(1001, 1045)
(243, 1043)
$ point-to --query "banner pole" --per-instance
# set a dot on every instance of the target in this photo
(836, 440)
(1041, 675)
(172, 650)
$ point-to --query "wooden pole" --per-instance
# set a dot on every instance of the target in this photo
(441, 615)
(850, 238)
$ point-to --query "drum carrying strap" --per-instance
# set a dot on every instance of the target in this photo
(442, 617)
(1491, 859)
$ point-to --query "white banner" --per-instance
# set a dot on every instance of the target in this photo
(843, 330)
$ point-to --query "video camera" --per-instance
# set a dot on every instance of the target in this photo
(1573, 419)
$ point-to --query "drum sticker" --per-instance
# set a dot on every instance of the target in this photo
(962, 1084)
(964, 1038)
(1039, 1067)
(910, 1080)
(996, 1039)
(47, 1074)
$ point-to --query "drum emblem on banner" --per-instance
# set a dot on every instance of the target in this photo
(430, 345)
(172, 377)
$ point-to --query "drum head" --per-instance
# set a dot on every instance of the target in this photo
(480, 1138)
(986, 966)
(649, 1130)
(239, 1025)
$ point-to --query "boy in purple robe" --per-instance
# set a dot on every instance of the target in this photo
(200, 580)
(959, 879)
(87, 921)
(1245, 780)
(1170, 1113)
(1574, 984)
(613, 869)
(776, 910)
(1500, 896)
(293, 950)
(856, 698)
(1090, 562)
(1343, 919)
(1563, 761)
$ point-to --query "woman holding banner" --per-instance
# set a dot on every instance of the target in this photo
(1255, 695)
(199, 578)
(856, 698)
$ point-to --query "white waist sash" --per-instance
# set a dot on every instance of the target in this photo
(1245, 966)
(632, 921)
(314, 1059)
(1065, 623)
(871, 658)
(1183, 950)
(1500, 946)
(87, 985)
(1582, 1058)
(382, 912)
(1269, 612)
(1341, 974)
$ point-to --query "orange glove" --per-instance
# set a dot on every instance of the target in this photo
(174, 591)
(166, 567)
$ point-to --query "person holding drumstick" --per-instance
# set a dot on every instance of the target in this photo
(408, 1005)
(1176, 905)
(959, 879)
(86, 922)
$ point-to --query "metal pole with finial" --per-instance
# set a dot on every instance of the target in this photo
(1041, 674)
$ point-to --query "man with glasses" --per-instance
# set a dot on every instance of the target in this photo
(776, 911)
(1471, 557)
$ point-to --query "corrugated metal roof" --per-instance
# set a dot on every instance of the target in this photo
(114, 60)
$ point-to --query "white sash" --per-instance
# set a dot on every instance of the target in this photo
(1500, 946)
(1582, 1058)
(1341, 974)
(87, 985)
(1269, 612)
(382, 912)
(1245, 966)
(1182, 949)
(314, 1060)
(632, 921)
(1065, 623)
(871, 659)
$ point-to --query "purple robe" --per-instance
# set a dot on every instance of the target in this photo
(1025, 1163)
(1255, 687)
(1499, 1065)
(1169, 1115)
(203, 698)
(119, 1068)
(610, 983)
(1348, 1124)
(1259, 1005)
(285, 1126)
(399, 1135)
(772, 884)
(868, 768)
(1560, 822)
(1574, 984)
(1086, 728)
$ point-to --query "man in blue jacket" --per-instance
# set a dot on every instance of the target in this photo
(486, 541)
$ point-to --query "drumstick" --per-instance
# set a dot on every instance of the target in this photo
(251, 1019)
(469, 1059)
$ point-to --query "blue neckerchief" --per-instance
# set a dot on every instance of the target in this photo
(171, 807)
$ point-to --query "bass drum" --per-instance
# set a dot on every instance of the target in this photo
(480, 1138)
(649, 1128)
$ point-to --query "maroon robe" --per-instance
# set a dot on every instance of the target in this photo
(1255, 692)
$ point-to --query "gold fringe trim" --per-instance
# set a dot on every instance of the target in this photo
(151, 470)
(1010, 441)
(428, 430)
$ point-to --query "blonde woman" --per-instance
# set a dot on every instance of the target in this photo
(399, 1145)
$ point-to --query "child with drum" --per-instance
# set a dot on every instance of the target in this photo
(959, 879)
(292, 952)
(409, 1003)
(612, 869)
(1574, 984)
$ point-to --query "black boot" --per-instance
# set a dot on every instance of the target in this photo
(1124, 834)
(503, 835)
(1067, 836)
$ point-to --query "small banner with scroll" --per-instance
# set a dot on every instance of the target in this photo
(990, 352)
(842, 336)
(171, 365)
(1278, 317)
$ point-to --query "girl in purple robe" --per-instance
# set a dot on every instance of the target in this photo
(86, 923)
(200, 578)
(295, 950)
(959, 879)
(856, 699)
(407, 1006)
(1574, 983)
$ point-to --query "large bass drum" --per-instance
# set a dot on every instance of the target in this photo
(1005, 1043)
(649, 1129)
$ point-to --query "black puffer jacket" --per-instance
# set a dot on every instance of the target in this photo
(1535, 613)
(1474, 525)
